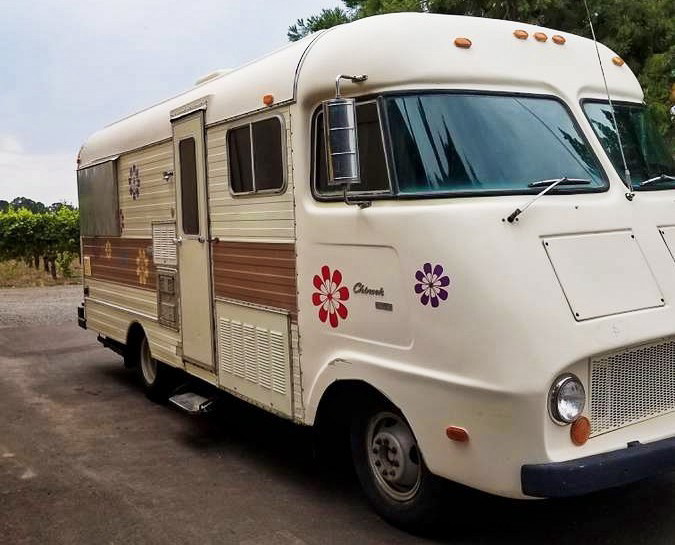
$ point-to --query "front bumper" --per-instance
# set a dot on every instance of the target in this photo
(585, 475)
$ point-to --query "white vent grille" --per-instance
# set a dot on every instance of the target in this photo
(163, 246)
(632, 385)
(255, 354)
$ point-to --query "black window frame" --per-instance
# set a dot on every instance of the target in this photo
(393, 182)
(284, 164)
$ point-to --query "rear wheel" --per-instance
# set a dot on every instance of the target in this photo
(155, 376)
(391, 469)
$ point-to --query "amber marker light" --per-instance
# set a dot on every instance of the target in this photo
(268, 100)
(540, 36)
(618, 61)
(458, 434)
(520, 34)
(580, 431)
(557, 38)
(464, 43)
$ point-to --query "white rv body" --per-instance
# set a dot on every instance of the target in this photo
(579, 279)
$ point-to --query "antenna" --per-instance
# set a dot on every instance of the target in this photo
(626, 172)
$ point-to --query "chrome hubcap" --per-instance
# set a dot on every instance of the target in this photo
(148, 363)
(394, 458)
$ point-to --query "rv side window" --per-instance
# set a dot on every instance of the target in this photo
(255, 153)
(374, 177)
(188, 186)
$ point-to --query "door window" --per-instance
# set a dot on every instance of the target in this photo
(188, 187)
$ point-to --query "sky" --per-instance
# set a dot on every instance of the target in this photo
(70, 67)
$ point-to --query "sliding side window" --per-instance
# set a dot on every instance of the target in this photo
(256, 157)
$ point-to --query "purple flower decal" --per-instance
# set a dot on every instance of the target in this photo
(431, 283)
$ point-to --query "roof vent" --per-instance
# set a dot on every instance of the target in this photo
(213, 75)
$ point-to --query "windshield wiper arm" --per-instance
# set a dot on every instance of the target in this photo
(560, 181)
(658, 179)
(547, 185)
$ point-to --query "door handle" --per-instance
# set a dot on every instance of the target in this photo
(178, 240)
(201, 239)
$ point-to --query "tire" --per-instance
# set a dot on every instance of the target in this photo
(409, 496)
(156, 377)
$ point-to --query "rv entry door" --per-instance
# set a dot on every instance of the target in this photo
(194, 270)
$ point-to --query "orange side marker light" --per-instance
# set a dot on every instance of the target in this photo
(540, 36)
(580, 431)
(618, 61)
(557, 38)
(458, 434)
(520, 34)
(268, 100)
(464, 43)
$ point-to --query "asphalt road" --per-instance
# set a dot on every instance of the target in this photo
(85, 458)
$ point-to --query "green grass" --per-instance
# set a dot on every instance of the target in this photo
(16, 274)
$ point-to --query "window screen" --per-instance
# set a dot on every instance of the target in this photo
(256, 165)
(188, 186)
(374, 175)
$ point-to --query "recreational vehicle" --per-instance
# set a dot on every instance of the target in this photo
(417, 229)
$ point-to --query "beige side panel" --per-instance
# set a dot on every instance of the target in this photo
(134, 299)
(254, 357)
(270, 217)
(114, 323)
(144, 194)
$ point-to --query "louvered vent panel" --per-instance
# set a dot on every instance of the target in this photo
(279, 364)
(264, 358)
(632, 385)
(255, 354)
(238, 350)
(225, 345)
(163, 246)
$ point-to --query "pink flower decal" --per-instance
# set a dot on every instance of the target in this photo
(330, 296)
(431, 284)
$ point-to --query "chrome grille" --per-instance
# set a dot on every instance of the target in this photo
(632, 385)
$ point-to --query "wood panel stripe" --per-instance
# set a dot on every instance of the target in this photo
(256, 272)
(123, 260)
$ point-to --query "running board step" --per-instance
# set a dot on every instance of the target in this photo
(193, 403)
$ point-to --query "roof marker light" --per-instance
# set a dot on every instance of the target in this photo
(557, 38)
(540, 36)
(520, 34)
(268, 100)
(618, 61)
(464, 43)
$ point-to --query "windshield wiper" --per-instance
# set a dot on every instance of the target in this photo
(658, 179)
(547, 185)
(560, 181)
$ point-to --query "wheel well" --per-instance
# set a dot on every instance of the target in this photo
(334, 415)
(134, 336)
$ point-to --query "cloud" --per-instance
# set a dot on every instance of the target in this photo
(47, 177)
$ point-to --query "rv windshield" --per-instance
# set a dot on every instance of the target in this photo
(479, 143)
(646, 153)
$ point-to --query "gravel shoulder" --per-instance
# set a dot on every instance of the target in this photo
(20, 307)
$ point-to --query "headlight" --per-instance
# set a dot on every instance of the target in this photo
(567, 399)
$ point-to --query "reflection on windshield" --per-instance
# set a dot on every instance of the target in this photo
(473, 142)
(646, 153)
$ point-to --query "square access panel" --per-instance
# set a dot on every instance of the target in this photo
(602, 274)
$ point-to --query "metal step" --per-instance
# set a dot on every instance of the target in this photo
(193, 403)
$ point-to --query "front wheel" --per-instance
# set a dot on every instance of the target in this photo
(391, 470)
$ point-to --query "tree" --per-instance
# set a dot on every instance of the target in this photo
(642, 32)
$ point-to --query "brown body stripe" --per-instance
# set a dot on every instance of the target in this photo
(124, 260)
(259, 273)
